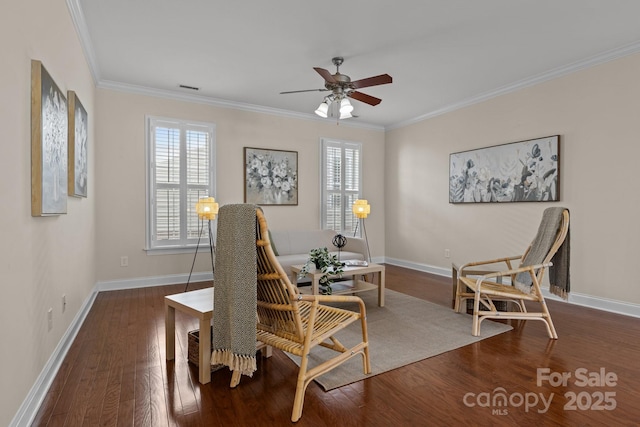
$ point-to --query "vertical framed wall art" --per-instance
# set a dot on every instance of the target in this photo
(48, 144)
(525, 171)
(78, 134)
(271, 177)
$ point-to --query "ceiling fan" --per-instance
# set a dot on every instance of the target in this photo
(342, 87)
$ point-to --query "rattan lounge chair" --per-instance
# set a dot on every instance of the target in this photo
(296, 323)
(486, 289)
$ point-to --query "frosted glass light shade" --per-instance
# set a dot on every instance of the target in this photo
(322, 110)
(345, 107)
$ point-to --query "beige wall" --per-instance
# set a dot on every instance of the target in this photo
(40, 258)
(596, 113)
(120, 176)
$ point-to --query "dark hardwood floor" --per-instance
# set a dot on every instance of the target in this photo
(116, 374)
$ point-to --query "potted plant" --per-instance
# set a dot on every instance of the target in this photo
(328, 264)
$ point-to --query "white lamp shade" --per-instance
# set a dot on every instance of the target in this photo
(322, 110)
(345, 115)
(345, 107)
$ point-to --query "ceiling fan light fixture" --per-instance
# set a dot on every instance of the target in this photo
(345, 107)
(323, 109)
(346, 115)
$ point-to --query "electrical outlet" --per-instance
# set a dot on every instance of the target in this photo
(64, 302)
(447, 253)
(50, 318)
(124, 261)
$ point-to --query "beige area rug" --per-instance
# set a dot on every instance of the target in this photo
(404, 331)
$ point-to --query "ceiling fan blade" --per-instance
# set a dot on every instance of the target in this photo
(305, 90)
(382, 79)
(326, 75)
(363, 97)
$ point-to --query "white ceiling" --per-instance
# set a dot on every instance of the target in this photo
(442, 54)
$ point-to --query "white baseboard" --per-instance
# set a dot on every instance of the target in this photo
(29, 408)
(145, 282)
(440, 271)
(598, 303)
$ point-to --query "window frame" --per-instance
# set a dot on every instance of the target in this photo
(325, 143)
(184, 244)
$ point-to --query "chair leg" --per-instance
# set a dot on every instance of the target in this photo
(551, 330)
(301, 387)
(365, 338)
(458, 303)
(475, 330)
(235, 378)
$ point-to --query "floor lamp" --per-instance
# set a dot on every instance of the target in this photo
(207, 209)
(361, 210)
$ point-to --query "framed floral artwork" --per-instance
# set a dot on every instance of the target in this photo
(524, 171)
(271, 176)
(78, 134)
(48, 144)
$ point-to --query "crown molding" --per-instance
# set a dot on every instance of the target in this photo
(169, 94)
(564, 70)
(85, 40)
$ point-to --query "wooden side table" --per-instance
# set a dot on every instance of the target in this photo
(198, 304)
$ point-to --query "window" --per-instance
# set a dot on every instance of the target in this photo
(180, 170)
(341, 170)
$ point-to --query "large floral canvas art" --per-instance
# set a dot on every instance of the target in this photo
(48, 144)
(525, 171)
(271, 177)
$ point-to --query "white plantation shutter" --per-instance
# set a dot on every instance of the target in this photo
(180, 171)
(341, 171)
(199, 174)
